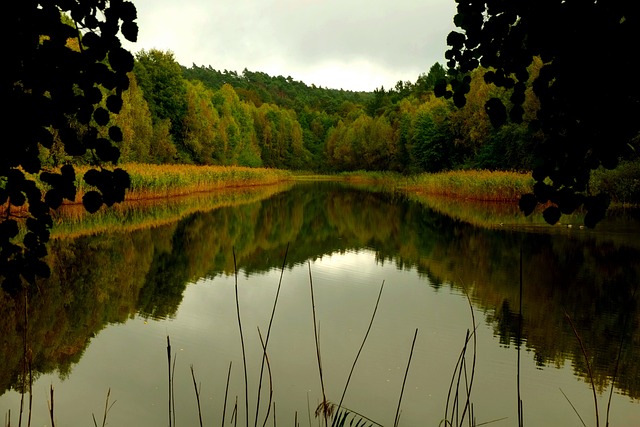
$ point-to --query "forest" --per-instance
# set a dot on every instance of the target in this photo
(200, 115)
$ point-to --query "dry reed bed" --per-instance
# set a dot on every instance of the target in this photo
(150, 181)
(473, 185)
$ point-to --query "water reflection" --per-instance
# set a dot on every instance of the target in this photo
(107, 278)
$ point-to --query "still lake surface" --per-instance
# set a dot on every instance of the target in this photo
(100, 324)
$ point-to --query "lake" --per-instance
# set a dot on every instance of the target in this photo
(553, 309)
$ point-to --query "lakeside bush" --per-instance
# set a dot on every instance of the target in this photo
(621, 183)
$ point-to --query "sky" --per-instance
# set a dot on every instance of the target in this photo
(339, 44)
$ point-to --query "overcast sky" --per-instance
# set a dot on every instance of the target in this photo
(348, 44)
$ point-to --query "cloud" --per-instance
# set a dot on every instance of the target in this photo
(353, 44)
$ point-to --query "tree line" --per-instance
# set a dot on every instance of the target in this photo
(199, 115)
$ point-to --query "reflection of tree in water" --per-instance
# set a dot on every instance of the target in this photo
(107, 278)
(507, 324)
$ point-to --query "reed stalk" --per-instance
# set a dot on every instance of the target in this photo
(266, 358)
(324, 408)
(364, 340)
(589, 371)
(615, 372)
(50, 404)
(266, 342)
(574, 408)
(404, 381)
(24, 357)
(460, 372)
(244, 354)
(226, 394)
(234, 414)
(520, 407)
(170, 380)
(107, 408)
(473, 366)
(274, 416)
(197, 390)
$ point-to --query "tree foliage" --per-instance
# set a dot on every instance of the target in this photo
(584, 126)
(160, 78)
(59, 81)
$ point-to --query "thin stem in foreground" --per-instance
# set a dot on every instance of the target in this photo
(107, 408)
(586, 359)
(473, 365)
(196, 388)
(573, 407)
(404, 381)
(266, 358)
(364, 340)
(244, 354)
(324, 407)
(520, 408)
(226, 394)
(615, 372)
(53, 423)
(266, 341)
(169, 365)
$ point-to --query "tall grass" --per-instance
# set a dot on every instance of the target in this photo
(473, 185)
(461, 184)
(156, 181)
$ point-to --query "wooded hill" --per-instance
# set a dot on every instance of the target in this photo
(200, 115)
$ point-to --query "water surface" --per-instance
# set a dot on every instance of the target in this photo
(101, 322)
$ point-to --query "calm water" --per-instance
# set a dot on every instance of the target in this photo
(101, 322)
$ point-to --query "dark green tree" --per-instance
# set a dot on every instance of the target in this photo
(64, 70)
(589, 106)
(165, 90)
(427, 82)
(432, 147)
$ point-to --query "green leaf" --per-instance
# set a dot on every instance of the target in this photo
(101, 116)
(53, 198)
(121, 60)
(93, 177)
(130, 31)
(496, 111)
(92, 201)
(528, 203)
(8, 229)
(115, 133)
(552, 215)
(114, 103)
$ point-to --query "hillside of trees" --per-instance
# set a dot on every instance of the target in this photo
(200, 115)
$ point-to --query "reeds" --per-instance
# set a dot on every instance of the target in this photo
(590, 373)
(479, 185)
(457, 397)
(107, 408)
(153, 181)
(473, 184)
